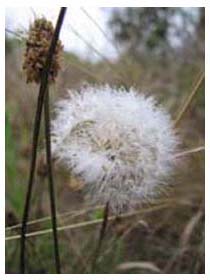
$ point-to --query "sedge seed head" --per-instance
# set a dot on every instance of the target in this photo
(37, 46)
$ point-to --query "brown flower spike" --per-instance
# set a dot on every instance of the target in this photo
(37, 46)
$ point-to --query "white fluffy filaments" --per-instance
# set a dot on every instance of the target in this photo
(119, 142)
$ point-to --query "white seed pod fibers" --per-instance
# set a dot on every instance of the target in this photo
(121, 144)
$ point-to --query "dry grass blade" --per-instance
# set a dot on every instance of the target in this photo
(85, 71)
(89, 45)
(139, 265)
(76, 213)
(191, 151)
(138, 223)
(189, 99)
(184, 240)
(185, 237)
(72, 214)
(19, 36)
(112, 42)
(117, 75)
(90, 223)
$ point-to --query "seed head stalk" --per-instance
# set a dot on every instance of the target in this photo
(44, 79)
(101, 237)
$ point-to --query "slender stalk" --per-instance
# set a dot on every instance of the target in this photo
(71, 214)
(101, 237)
(189, 99)
(189, 152)
(42, 90)
(18, 35)
(116, 73)
(99, 221)
(51, 183)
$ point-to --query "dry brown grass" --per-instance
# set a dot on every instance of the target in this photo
(169, 238)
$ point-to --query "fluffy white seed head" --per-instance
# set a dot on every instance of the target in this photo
(120, 143)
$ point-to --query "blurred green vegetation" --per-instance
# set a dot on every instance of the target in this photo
(171, 238)
(15, 193)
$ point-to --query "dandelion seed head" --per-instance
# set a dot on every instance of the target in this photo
(121, 143)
